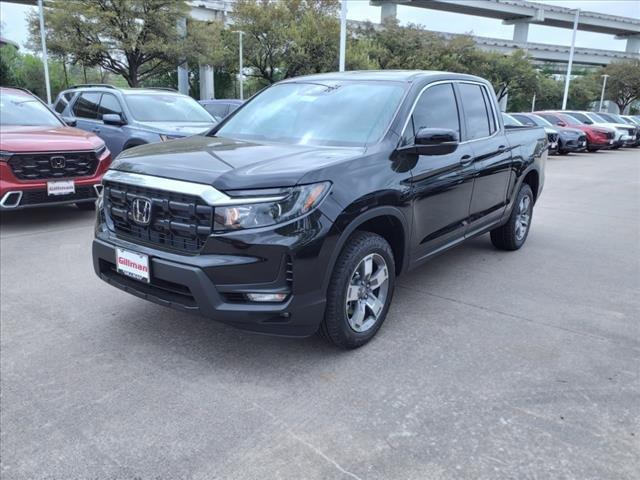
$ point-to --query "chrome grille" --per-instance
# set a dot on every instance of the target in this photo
(178, 221)
(42, 166)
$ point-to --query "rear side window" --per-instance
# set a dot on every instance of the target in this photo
(63, 101)
(217, 109)
(475, 111)
(492, 118)
(437, 108)
(109, 104)
(87, 105)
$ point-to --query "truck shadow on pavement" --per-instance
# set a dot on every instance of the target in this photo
(163, 332)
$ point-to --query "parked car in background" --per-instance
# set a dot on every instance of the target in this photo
(620, 120)
(569, 139)
(631, 120)
(297, 213)
(219, 109)
(625, 135)
(128, 117)
(552, 133)
(598, 137)
(42, 160)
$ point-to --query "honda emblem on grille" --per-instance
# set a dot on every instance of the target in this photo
(57, 162)
(141, 211)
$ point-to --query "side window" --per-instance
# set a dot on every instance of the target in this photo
(232, 108)
(475, 110)
(409, 135)
(217, 109)
(492, 119)
(87, 105)
(63, 101)
(109, 104)
(437, 108)
(550, 118)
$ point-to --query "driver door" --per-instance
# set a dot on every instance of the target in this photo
(442, 185)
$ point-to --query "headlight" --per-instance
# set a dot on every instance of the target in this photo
(166, 138)
(250, 212)
(5, 156)
(100, 150)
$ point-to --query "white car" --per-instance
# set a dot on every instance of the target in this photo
(625, 134)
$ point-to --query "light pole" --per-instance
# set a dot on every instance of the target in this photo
(343, 34)
(604, 85)
(573, 47)
(240, 34)
(44, 51)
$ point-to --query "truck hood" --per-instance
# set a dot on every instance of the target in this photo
(178, 129)
(230, 164)
(22, 138)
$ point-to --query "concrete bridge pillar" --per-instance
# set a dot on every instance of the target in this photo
(521, 32)
(206, 83)
(633, 44)
(388, 11)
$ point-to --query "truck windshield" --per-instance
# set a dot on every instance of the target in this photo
(166, 108)
(25, 110)
(335, 114)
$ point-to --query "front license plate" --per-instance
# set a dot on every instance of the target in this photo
(132, 264)
(61, 187)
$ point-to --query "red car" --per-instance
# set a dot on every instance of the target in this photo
(42, 160)
(598, 136)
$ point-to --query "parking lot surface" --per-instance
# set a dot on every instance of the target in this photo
(490, 364)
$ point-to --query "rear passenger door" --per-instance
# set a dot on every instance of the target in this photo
(491, 155)
(85, 110)
(441, 184)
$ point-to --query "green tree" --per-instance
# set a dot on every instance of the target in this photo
(133, 38)
(623, 85)
(287, 38)
(9, 58)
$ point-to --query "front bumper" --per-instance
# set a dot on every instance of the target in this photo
(292, 259)
(573, 144)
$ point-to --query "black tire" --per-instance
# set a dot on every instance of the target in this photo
(336, 325)
(510, 236)
(592, 150)
(86, 206)
(563, 152)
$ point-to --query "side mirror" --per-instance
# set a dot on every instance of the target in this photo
(113, 119)
(436, 141)
(70, 121)
(560, 123)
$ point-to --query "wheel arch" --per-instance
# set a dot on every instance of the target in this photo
(387, 221)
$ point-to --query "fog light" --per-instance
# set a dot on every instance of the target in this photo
(266, 297)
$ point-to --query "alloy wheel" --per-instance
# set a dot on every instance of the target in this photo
(367, 292)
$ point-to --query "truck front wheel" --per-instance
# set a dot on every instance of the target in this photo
(360, 291)
(512, 235)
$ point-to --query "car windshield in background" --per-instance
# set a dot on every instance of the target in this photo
(24, 110)
(581, 117)
(336, 114)
(166, 108)
(539, 121)
(509, 121)
(598, 118)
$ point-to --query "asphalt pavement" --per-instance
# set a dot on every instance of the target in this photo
(490, 365)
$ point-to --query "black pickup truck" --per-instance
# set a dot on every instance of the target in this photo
(298, 211)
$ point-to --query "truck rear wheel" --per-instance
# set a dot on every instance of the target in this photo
(360, 291)
(513, 234)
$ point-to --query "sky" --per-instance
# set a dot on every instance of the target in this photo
(14, 16)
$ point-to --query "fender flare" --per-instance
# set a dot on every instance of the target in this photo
(381, 211)
(133, 142)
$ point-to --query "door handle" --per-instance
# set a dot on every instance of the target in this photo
(95, 129)
(502, 149)
(466, 160)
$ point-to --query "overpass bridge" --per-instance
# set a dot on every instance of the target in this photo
(522, 13)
